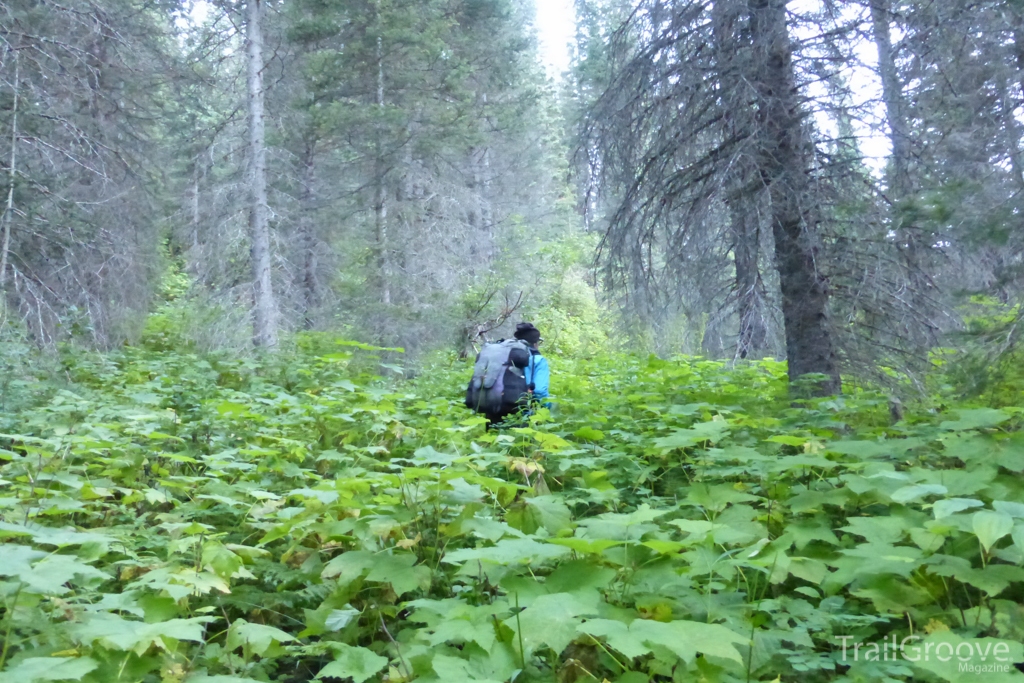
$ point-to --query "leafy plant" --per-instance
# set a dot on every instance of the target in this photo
(177, 517)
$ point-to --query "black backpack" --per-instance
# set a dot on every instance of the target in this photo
(498, 387)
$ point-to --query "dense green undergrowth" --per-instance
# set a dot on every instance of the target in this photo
(169, 517)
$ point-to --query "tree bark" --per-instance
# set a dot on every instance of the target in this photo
(750, 290)
(12, 175)
(307, 234)
(783, 161)
(194, 198)
(740, 184)
(380, 194)
(264, 308)
(892, 94)
(912, 241)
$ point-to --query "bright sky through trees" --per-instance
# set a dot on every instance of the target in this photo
(556, 25)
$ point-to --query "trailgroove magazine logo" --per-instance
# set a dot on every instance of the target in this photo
(971, 656)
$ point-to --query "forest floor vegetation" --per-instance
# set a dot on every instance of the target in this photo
(178, 518)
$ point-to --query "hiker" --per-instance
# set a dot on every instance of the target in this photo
(537, 373)
(509, 376)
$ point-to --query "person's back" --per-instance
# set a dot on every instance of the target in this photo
(499, 387)
(510, 377)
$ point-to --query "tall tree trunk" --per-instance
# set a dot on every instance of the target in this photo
(912, 241)
(783, 160)
(12, 176)
(899, 179)
(380, 194)
(194, 197)
(741, 186)
(265, 312)
(750, 290)
(892, 94)
(307, 233)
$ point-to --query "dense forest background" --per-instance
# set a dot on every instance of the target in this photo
(833, 183)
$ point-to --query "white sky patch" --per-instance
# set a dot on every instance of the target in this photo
(198, 11)
(556, 28)
(861, 77)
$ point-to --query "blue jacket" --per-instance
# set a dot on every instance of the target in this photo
(538, 374)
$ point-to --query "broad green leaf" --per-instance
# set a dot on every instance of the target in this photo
(340, 618)
(462, 492)
(588, 434)
(579, 575)
(801, 462)
(810, 570)
(49, 669)
(890, 594)
(616, 634)
(788, 440)
(357, 663)
(926, 540)
(547, 512)
(716, 497)
(1018, 536)
(914, 492)
(348, 566)
(945, 508)
(863, 450)
(509, 551)
(220, 560)
(463, 629)
(688, 638)
(694, 527)
(869, 559)
(877, 529)
(993, 579)
(664, 547)
(258, 637)
(802, 532)
(976, 418)
(182, 582)
(398, 570)
(50, 575)
(489, 529)
(448, 668)
(551, 620)
(427, 455)
(18, 559)
(586, 545)
(688, 409)
(232, 409)
(1012, 509)
(990, 526)
(59, 538)
(701, 432)
(117, 633)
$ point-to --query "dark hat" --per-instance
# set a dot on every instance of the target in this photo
(528, 333)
